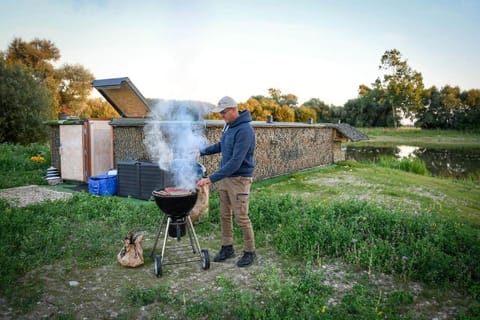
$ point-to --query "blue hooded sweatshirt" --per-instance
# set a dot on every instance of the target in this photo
(237, 146)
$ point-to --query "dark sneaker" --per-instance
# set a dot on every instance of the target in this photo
(225, 253)
(247, 259)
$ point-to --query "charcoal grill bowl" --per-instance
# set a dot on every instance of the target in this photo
(176, 209)
(176, 206)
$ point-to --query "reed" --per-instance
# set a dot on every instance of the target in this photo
(413, 165)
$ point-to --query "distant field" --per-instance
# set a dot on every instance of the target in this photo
(419, 137)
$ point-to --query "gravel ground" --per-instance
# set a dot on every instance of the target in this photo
(27, 195)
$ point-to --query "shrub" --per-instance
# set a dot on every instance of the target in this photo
(24, 105)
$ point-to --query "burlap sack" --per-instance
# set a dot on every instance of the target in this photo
(201, 206)
(131, 254)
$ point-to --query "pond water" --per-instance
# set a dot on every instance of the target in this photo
(444, 162)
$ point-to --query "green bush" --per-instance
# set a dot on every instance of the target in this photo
(24, 104)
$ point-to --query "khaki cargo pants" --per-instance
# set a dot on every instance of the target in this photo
(234, 195)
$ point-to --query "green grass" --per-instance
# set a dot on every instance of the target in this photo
(412, 132)
(392, 188)
(424, 247)
(145, 296)
(388, 137)
(17, 168)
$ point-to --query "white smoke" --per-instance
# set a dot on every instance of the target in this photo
(173, 137)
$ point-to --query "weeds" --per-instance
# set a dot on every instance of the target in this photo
(413, 165)
(415, 247)
(301, 296)
(145, 296)
(23, 165)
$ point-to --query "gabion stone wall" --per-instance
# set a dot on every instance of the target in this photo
(281, 148)
(128, 144)
(55, 146)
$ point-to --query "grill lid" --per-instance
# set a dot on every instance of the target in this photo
(122, 94)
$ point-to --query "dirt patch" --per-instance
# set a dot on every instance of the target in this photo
(100, 293)
(28, 195)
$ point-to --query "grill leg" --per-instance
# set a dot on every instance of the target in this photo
(158, 235)
(190, 225)
(166, 234)
(190, 231)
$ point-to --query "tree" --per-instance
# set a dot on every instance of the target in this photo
(37, 56)
(74, 88)
(285, 114)
(370, 110)
(441, 107)
(257, 112)
(262, 107)
(403, 86)
(363, 90)
(275, 94)
(304, 114)
(463, 106)
(70, 85)
(24, 105)
(471, 98)
(98, 108)
(324, 113)
(433, 114)
(289, 100)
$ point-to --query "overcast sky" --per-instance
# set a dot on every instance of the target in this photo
(203, 50)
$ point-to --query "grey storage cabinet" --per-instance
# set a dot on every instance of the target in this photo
(138, 179)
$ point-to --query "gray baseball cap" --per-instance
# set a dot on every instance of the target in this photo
(224, 103)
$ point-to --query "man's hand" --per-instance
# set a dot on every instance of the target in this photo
(203, 182)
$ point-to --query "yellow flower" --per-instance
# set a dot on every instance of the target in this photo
(37, 158)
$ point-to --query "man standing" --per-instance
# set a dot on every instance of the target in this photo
(234, 178)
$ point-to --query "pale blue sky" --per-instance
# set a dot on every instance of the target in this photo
(203, 50)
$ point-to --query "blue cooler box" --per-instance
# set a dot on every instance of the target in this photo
(103, 185)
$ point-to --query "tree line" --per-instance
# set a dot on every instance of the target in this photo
(33, 90)
(401, 93)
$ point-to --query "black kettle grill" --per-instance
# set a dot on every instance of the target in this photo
(176, 205)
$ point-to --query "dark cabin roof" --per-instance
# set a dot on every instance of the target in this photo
(349, 131)
(124, 97)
